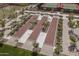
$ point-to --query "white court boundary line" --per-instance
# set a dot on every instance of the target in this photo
(25, 36)
(41, 39)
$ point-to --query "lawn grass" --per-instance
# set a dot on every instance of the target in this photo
(7, 50)
(13, 51)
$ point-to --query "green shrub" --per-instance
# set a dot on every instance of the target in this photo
(73, 39)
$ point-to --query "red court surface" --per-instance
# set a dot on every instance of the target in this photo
(51, 32)
(37, 29)
(24, 27)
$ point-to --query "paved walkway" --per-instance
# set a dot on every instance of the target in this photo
(28, 45)
(47, 50)
(65, 35)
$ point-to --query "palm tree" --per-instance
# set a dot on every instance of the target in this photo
(71, 16)
(36, 49)
(58, 49)
(46, 24)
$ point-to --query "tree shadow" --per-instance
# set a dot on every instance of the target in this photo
(34, 53)
(1, 45)
(72, 47)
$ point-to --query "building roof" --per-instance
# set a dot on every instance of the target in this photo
(66, 5)
(50, 5)
(70, 6)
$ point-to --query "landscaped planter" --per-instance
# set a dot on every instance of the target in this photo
(72, 39)
(59, 48)
(45, 26)
(33, 23)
